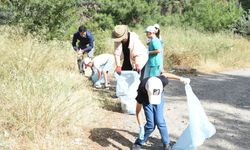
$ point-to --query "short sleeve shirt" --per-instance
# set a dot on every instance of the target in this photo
(155, 59)
(142, 95)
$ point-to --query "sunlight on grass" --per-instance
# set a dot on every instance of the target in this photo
(41, 92)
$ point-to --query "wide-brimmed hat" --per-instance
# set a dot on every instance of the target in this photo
(154, 89)
(119, 33)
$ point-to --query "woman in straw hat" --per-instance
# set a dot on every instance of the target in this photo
(130, 49)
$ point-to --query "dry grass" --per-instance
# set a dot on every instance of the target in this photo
(44, 101)
(217, 51)
(46, 104)
(207, 52)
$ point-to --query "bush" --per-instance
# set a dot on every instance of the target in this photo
(212, 15)
(243, 25)
(48, 18)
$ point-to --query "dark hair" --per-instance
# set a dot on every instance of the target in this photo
(158, 34)
(82, 29)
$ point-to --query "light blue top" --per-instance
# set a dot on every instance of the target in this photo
(155, 59)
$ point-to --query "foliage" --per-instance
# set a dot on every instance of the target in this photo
(132, 12)
(211, 15)
(48, 18)
(243, 25)
(245, 4)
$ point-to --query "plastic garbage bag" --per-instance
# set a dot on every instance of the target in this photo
(199, 127)
(126, 90)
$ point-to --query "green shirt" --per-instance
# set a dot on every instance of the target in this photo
(155, 59)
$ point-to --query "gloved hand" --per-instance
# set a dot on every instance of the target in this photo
(137, 68)
(185, 80)
(141, 132)
(118, 70)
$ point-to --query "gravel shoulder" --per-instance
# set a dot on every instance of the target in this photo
(225, 97)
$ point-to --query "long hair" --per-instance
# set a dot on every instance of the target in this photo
(158, 34)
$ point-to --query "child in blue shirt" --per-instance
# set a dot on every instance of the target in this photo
(155, 55)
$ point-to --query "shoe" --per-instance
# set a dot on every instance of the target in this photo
(172, 143)
(167, 147)
(107, 86)
(82, 72)
(136, 147)
(99, 86)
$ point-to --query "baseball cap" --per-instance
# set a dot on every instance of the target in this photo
(150, 29)
(154, 89)
(157, 26)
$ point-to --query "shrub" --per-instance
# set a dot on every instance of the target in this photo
(243, 25)
(211, 15)
(48, 18)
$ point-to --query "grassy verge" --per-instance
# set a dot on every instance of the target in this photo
(204, 51)
(43, 99)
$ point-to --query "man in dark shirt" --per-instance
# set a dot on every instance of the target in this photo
(151, 98)
(85, 45)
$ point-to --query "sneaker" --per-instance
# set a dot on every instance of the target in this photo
(107, 86)
(167, 147)
(136, 147)
(172, 143)
(82, 72)
(99, 86)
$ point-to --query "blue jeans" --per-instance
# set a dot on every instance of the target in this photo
(155, 117)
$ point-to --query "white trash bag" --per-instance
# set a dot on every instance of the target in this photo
(126, 90)
(199, 127)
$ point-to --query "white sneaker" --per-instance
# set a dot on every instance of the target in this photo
(98, 86)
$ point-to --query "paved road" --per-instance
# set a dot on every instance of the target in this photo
(225, 97)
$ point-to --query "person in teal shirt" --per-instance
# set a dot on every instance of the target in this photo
(155, 55)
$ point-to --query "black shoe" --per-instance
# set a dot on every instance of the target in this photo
(82, 72)
(167, 147)
(136, 147)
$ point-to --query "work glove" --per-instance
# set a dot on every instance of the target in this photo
(185, 80)
(141, 132)
(137, 68)
(118, 70)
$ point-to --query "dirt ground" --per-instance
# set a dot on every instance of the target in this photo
(225, 97)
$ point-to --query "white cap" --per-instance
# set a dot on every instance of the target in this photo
(154, 88)
(86, 60)
(151, 29)
(157, 26)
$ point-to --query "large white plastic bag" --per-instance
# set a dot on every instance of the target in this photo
(199, 127)
(127, 83)
(126, 90)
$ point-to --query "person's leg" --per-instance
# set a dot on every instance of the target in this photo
(107, 67)
(105, 74)
(91, 53)
(161, 123)
(142, 72)
(149, 126)
(80, 63)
